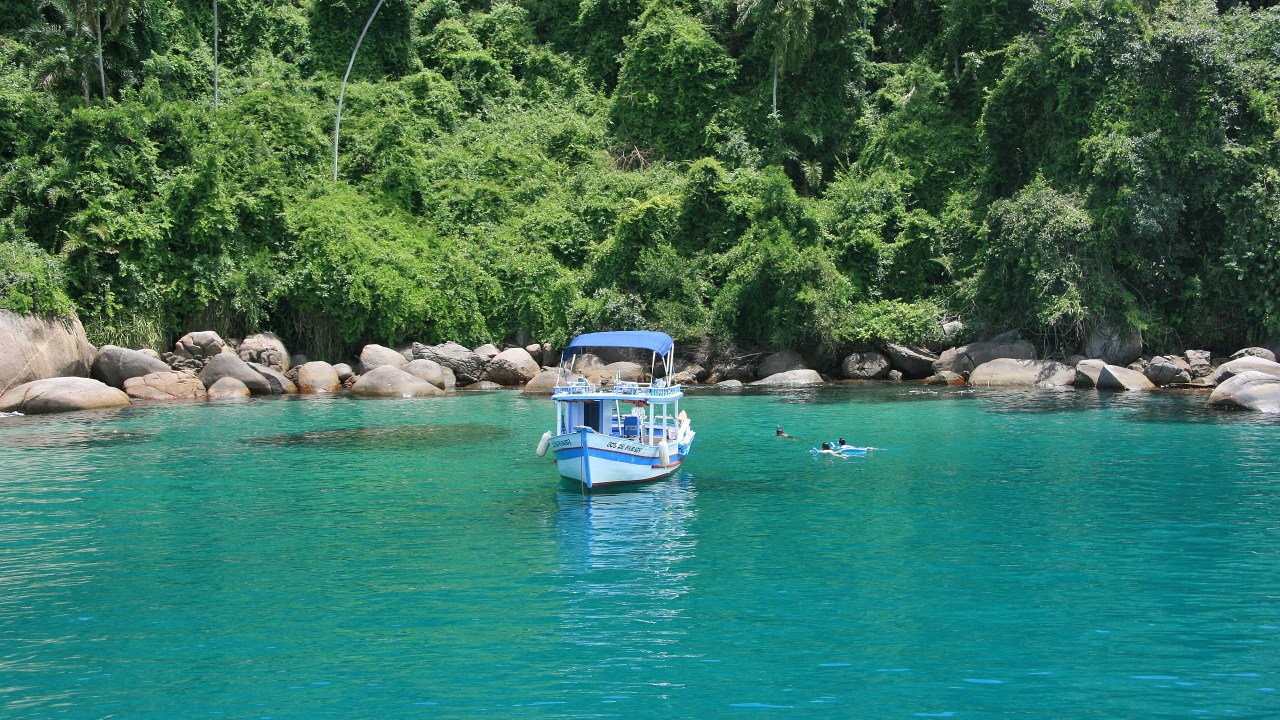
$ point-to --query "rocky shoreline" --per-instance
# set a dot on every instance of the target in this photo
(48, 366)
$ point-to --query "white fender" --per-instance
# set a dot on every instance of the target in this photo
(664, 453)
(543, 443)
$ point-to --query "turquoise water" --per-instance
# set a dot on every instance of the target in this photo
(1035, 555)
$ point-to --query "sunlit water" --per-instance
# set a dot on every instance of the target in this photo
(1023, 554)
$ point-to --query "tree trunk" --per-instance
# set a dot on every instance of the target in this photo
(337, 122)
(215, 54)
(775, 89)
(102, 75)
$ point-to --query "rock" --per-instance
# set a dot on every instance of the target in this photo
(1258, 352)
(791, 378)
(1087, 373)
(735, 369)
(61, 394)
(729, 385)
(297, 359)
(1114, 344)
(150, 353)
(318, 377)
(1007, 372)
(1249, 390)
(165, 385)
(1245, 363)
(37, 347)
(428, 370)
(545, 382)
(280, 385)
(467, 366)
(1198, 360)
(547, 356)
(489, 351)
(865, 366)
(199, 345)
(227, 387)
(230, 365)
(265, 349)
(450, 380)
(624, 371)
(962, 360)
(951, 330)
(1114, 377)
(373, 357)
(946, 377)
(688, 374)
(780, 362)
(911, 362)
(344, 371)
(1168, 370)
(391, 381)
(1139, 365)
(894, 376)
(114, 365)
(512, 367)
(483, 385)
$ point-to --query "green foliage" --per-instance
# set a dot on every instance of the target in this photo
(543, 168)
(673, 78)
(31, 280)
(387, 49)
(365, 272)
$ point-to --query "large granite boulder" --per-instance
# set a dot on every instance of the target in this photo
(688, 374)
(1258, 352)
(545, 382)
(450, 380)
(428, 370)
(487, 351)
(373, 357)
(623, 370)
(318, 377)
(542, 353)
(391, 381)
(911, 362)
(865, 366)
(35, 347)
(962, 360)
(467, 366)
(781, 362)
(1168, 370)
(265, 349)
(230, 365)
(1114, 343)
(114, 365)
(193, 350)
(1199, 363)
(280, 385)
(739, 368)
(1088, 372)
(946, 377)
(1114, 377)
(1245, 363)
(791, 378)
(1007, 372)
(1249, 390)
(344, 371)
(61, 394)
(227, 387)
(165, 385)
(729, 385)
(514, 366)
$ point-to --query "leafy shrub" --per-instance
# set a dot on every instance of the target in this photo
(31, 280)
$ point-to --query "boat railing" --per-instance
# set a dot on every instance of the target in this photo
(622, 387)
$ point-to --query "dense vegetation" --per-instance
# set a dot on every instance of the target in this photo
(790, 173)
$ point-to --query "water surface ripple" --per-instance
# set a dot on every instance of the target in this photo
(1003, 554)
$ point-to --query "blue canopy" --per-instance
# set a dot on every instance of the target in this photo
(643, 339)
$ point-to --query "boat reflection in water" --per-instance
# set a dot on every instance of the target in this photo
(625, 560)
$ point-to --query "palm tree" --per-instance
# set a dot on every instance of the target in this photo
(337, 122)
(784, 25)
(82, 24)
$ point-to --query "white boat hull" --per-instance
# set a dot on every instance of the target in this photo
(608, 460)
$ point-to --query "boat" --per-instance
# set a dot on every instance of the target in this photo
(623, 431)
